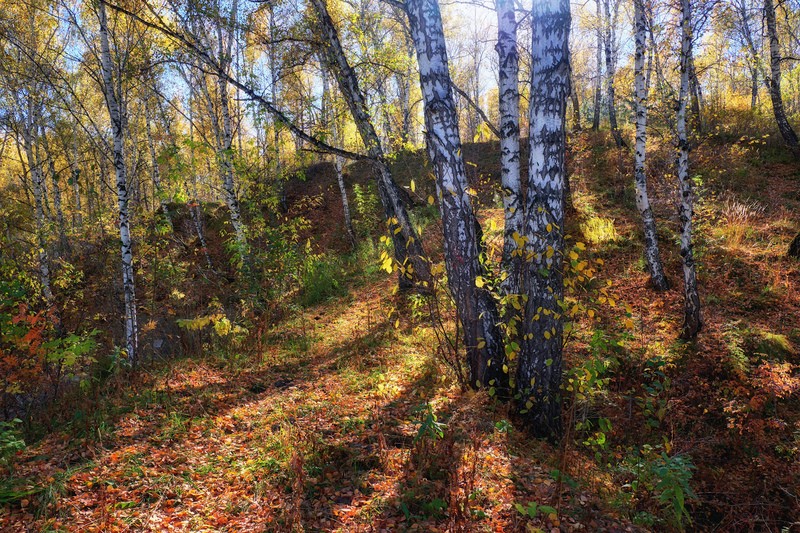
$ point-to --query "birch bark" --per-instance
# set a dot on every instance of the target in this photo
(156, 173)
(112, 102)
(610, 73)
(787, 132)
(476, 307)
(692, 322)
(651, 252)
(540, 361)
(407, 244)
(598, 80)
(513, 207)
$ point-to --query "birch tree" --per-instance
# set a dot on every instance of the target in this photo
(508, 90)
(538, 378)
(774, 82)
(610, 54)
(651, 251)
(407, 244)
(155, 171)
(110, 89)
(476, 307)
(692, 321)
(598, 79)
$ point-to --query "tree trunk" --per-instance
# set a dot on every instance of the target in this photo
(787, 132)
(794, 247)
(128, 285)
(475, 305)
(154, 163)
(194, 203)
(348, 220)
(692, 322)
(409, 254)
(30, 129)
(51, 166)
(540, 361)
(77, 216)
(697, 97)
(513, 208)
(226, 138)
(610, 73)
(576, 106)
(651, 252)
(598, 80)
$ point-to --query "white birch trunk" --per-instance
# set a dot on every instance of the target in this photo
(112, 102)
(692, 322)
(156, 173)
(77, 214)
(409, 253)
(651, 252)
(540, 361)
(598, 80)
(475, 305)
(610, 74)
(513, 208)
(226, 138)
(51, 167)
(194, 204)
(787, 132)
(29, 131)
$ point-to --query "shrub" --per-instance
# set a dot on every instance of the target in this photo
(320, 280)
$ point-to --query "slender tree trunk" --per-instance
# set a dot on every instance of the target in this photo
(513, 207)
(348, 220)
(475, 305)
(128, 285)
(51, 166)
(787, 132)
(407, 244)
(598, 80)
(697, 97)
(692, 322)
(274, 75)
(228, 181)
(194, 204)
(29, 131)
(77, 215)
(576, 106)
(330, 123)
(540, 362)
(154, 163)
(651, 252)
(610, 73)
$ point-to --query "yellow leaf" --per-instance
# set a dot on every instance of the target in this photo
(413, 186)
(431, 200)
(479, 282)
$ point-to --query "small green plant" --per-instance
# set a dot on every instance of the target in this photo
(653, 400)
(429, 426)
(11, 441)
(320, 280)
(664, 477)
(533, 509)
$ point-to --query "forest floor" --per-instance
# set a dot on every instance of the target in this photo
(342, 418)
